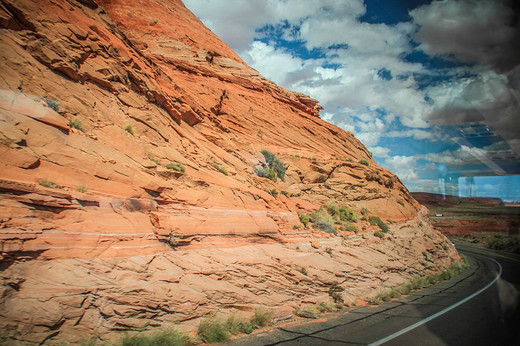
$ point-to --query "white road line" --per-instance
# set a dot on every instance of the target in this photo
(442, 312)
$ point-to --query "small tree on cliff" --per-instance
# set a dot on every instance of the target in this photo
(275, 165)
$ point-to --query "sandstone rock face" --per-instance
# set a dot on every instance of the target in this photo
(130, 139)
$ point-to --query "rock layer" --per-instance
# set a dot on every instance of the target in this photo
(131, 138)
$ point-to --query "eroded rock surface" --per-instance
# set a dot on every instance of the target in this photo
(101, 104)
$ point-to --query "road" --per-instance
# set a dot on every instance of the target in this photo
(491, 317)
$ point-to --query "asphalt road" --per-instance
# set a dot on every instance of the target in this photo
(491, 317)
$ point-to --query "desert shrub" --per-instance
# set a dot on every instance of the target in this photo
(346, 214)
(303, 270)
(304, 219)
(376, 220)
(327, 186)
(351, 228)
(374, 176)
(327, 306)
(266, 172)
(47, 183)
(321, 215)
(364, 211)
(165, 337)
(212, 329)
(129, 128)
(261, 318)
(390, 182)
(364, 162)
(153, 159)
(332, 209)
(76, 123)
(274, 163)
(173, 239)
(379, 234)
(219, 168)
(52, 104)
(176, 167)
(235, 325)
(401, 202)
(328, 250)
(420, 282)
(308, 312)
(295, 227)
(335, 291)
(385, 295)
(326, 227)
(82, 188)
(274, 192)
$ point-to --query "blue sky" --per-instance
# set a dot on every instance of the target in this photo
(431, 88)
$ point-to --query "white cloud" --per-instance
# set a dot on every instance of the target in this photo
(415, 133)
(320, 24)
(488, 97)
(380, 151)
(368, 138)
(347, 82)
(403, 167)
(274, 64)
(471, 31)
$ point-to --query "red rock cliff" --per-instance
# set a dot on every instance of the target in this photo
(101, 104)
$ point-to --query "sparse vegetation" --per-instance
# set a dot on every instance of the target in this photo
(346, 214)
(327, 306)
(373, 176)
(266, 173)
(212, 329)
(274, 192)
(380, 234)
(335, 291)
(176, 167)
(304, 219)
(76, 123)
(166, 337)
(130, 129)
(419, 282)
(364, 162)
(328, 250)
(153, 159)
(295, 227)
(327, 186)
(235, 325)
(376, 220)
(219, 168)
(52, 104)
(329, 215)
(303, 270)
(351, 228)
(82, 189)
(326, 227)
(173, 239)
(261, 318)
(390, 182)
(495, 240)
(47, 183)
(364, 211)
(308, 312)
(275, 165)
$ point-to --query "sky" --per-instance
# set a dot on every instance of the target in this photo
(432, 89)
